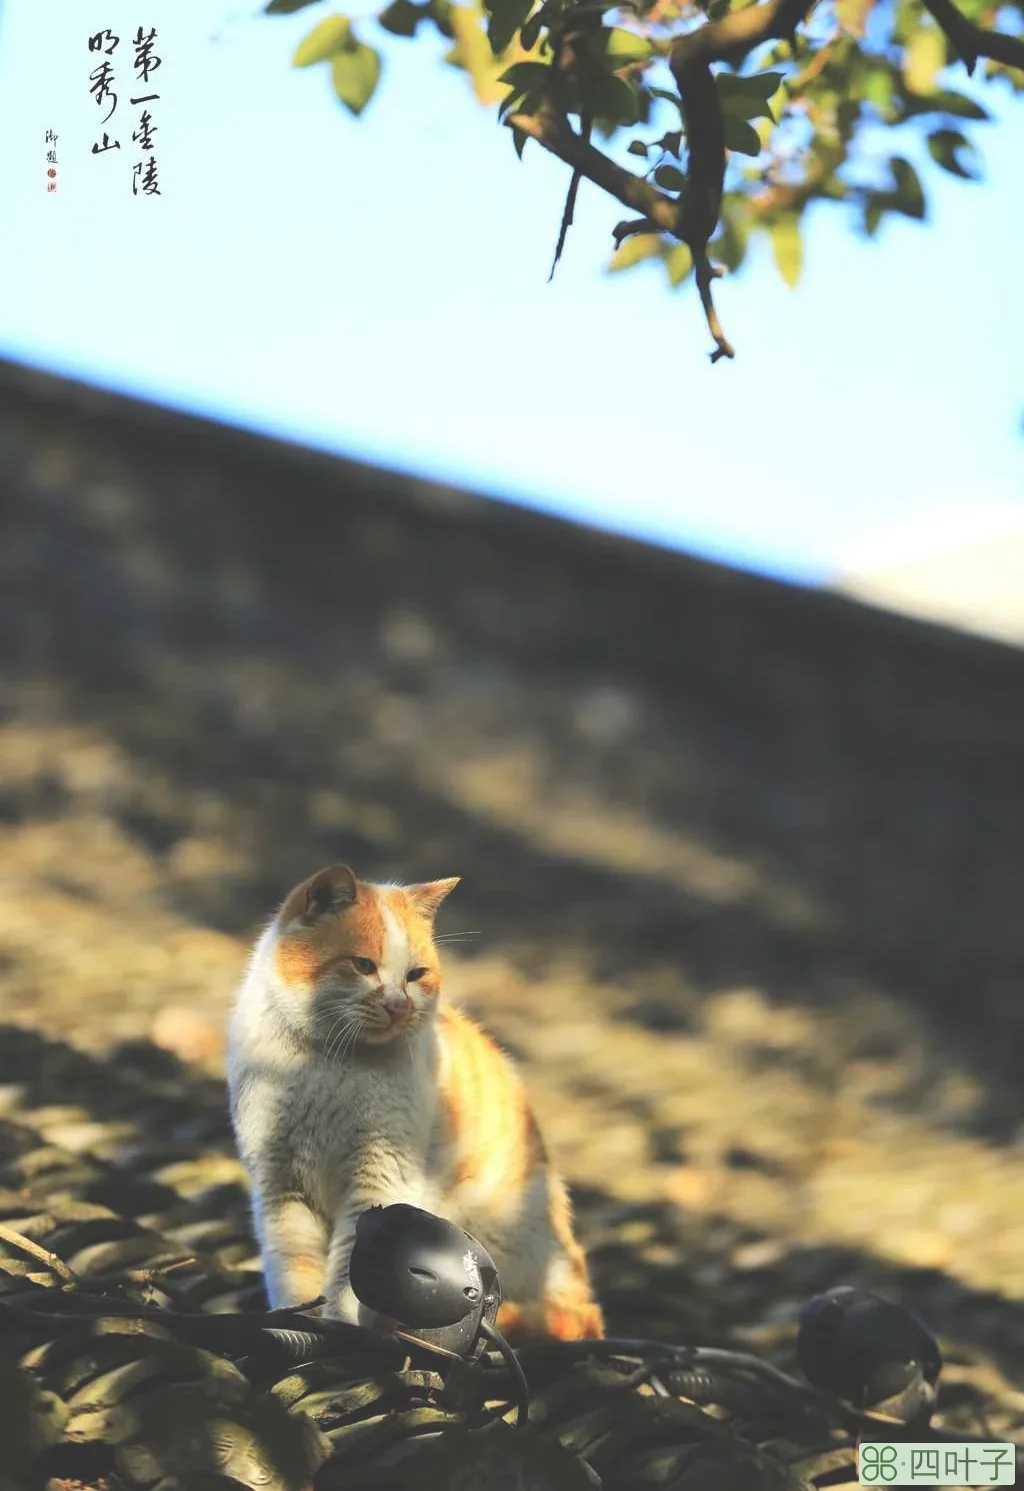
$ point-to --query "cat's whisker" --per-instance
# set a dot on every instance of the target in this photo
(336, 1014)
(347, 1023)
(329, 1037)
(351, 1038)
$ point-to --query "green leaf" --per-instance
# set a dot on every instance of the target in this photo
(323, 42)
(525, 77)
(947, 102)
(909, 196)
(747, 98)
(877, 90)
(623, 47)
(963, 108)
(740, 136)
(873, 211)
(529, 35)
(764, 84)
(634, 250)
(924, 57)
(286, 7)
(672, 142)
(611, 98)
(730, 243)
(848, 117)
(945, 145)
(519, 103)
(441, 15)
(637, 147)
(504, 20)
(669, 179)
(527, 81)
(788, 249)
(741, 106)
(670, 98)
(401, 18)
(852, 15)
(475, 53)
(355, 75)
(643, 101)
(678, 263)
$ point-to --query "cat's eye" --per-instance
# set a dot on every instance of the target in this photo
(415, 974)
(364, 965)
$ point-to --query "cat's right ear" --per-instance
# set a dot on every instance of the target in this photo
(327, 893)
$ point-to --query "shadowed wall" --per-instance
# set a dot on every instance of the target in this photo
(742, 864)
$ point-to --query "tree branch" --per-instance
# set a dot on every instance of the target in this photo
(971, 42)
(690, 59)
(660, 212)
(622, 231)
(630, 190)
(694, 216)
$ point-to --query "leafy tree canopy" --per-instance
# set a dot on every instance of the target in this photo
(719, 118)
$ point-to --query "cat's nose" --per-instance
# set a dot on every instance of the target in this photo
(395, 1005)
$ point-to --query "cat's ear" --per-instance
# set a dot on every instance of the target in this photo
(329, 892)
(428, 897)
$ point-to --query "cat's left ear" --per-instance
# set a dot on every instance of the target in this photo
(428, 896)
(329, 892)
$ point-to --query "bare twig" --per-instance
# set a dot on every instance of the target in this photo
(971, 42)
(568, 41)
(18, 1240)
(568, 214)
(622, 231)
(153, 1274)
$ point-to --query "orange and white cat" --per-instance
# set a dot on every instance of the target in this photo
(351, 1086)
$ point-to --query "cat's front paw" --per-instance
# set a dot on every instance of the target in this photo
(574, 1322)
(341, 1304)
(551, 1320)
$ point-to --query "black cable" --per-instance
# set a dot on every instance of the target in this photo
(227, 1333)
(513, 1364)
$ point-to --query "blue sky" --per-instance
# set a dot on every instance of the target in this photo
(378, 287)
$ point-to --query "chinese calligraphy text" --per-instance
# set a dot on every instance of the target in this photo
(102, 87)
(50, 146)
